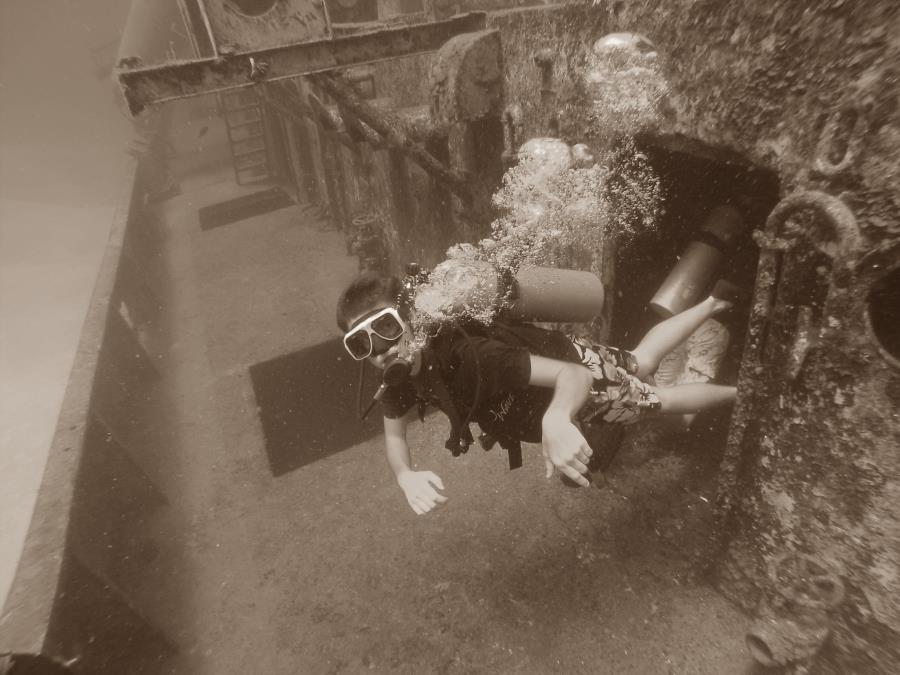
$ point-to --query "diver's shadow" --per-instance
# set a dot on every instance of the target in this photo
(307, 405)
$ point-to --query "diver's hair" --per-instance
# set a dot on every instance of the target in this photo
(365, 292)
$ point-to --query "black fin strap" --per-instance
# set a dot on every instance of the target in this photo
(514, 450)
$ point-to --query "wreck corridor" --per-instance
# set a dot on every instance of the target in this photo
(214, 501)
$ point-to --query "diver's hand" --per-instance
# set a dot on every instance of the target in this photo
(419, 488)
(564, 447)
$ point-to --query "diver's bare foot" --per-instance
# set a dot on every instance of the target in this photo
(720, 305)
(725, 294)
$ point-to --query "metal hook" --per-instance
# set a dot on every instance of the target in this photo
(258, 69)
(830, 208)
(845, 239)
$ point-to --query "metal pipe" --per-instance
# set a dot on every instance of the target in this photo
(382, 123)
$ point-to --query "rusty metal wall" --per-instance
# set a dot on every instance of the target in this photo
(809, 92)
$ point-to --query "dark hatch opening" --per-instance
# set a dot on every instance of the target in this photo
(694, 178)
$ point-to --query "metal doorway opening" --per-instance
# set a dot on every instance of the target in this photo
(694, 179)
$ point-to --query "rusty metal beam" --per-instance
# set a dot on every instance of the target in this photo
(330, 122)
(292, 106)
(359, 130)
(347, 127)
(393, 132)
(416, 120)
(419, 124)
(148, 85)
(326, 119)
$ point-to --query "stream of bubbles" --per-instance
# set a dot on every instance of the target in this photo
(559, 203)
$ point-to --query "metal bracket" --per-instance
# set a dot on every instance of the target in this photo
(544, 59)
(834, 135)
(845, 238)
(512, 132)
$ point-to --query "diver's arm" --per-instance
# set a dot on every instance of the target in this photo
(564, 447)
(418, 486)
(396, 447)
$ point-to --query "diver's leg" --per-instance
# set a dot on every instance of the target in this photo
(693, 398)
(668, 334)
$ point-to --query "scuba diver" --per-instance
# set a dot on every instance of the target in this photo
(518, 382)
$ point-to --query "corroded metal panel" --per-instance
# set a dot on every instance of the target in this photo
(259, 24)
(816, 414)
(466, 78)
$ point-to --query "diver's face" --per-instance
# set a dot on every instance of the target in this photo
(382, 348)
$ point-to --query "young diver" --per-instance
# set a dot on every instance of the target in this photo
(519, 382)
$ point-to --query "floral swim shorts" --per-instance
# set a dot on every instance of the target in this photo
(617, 396)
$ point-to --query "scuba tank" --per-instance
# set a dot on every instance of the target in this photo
(695, 271)
(475, 289)
(551, 294)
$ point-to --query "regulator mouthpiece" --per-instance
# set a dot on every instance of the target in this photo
(397, 370)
